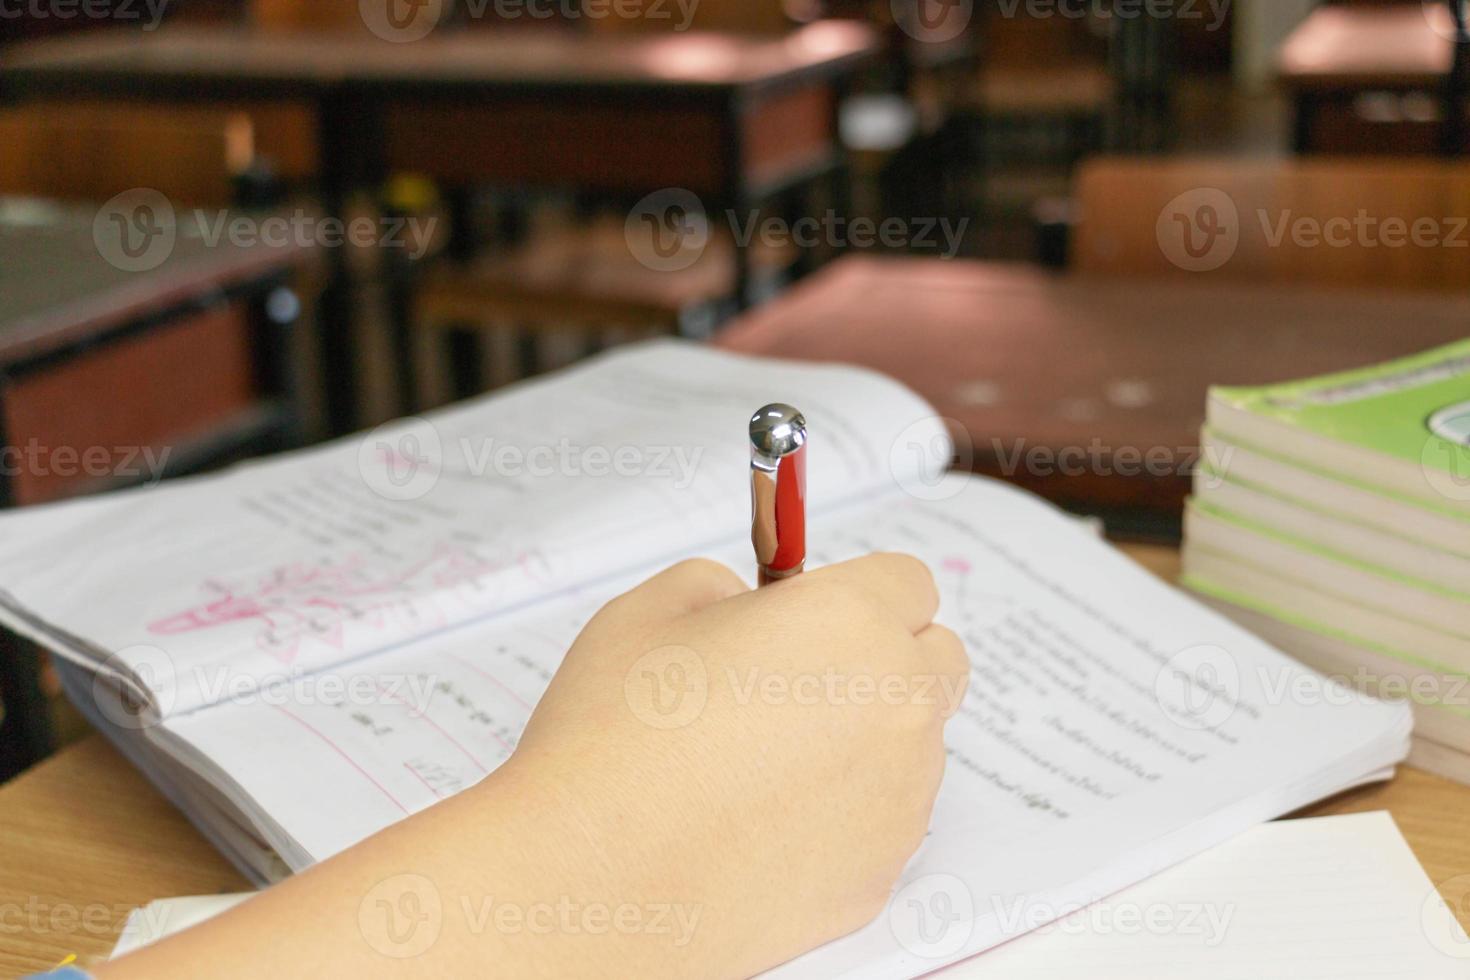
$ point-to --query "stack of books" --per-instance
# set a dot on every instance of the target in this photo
(1332, 518)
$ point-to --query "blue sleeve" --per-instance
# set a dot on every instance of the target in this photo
(63, 973)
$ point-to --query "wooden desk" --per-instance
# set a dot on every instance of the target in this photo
(110, 378)
(183, 356)
(732, 119)
(1341, 53)
(84, 839)
(1030, 365)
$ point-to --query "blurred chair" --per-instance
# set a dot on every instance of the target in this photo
(573, 283)
(1319, 221)
(1042, 89)
(1051, 91)
(580, 284)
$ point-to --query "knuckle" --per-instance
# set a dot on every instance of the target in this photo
(913, 568)
(703, 569)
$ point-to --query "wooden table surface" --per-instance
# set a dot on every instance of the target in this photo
(1405, 46)
(1107, 369)
(84, 838)
(286, 62)
(58, 289)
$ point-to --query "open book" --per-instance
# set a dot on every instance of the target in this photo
(301, 651)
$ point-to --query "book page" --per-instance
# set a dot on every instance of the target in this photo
(1112, 727)
(1332, 897)
(278, 568)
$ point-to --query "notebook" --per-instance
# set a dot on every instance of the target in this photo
(304, 650)
(1337, 898)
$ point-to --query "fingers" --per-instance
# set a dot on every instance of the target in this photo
(944, 653)
(685, 588)
(900, 583)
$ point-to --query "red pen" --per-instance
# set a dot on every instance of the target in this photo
(778, 491)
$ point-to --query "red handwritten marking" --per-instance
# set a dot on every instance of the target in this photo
(415, 712)
(959, 565)
(299, 599)
(340, 751)
(491, 678)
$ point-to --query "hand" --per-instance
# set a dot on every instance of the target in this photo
(717, 780)
(771, 757)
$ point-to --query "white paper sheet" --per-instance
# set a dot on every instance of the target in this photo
(1331, 898)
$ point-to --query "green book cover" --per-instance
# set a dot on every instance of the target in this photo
(1415, 410)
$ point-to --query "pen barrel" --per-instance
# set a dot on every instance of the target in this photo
(778, 492)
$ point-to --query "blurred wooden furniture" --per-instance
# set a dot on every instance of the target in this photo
(583, 283)
(1455, 136)
(1090, 391)
(1370, 78)
(308, 15)
(128, 846)
(91, 151)
(1042, 89)
(1331, 222)
(110, 378)
(732, 119)
(1054, 88)
(752, 17)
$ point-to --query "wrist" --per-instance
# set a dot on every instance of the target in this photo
(583, 873)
